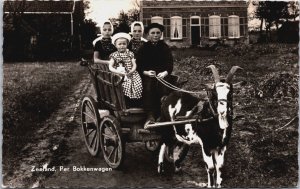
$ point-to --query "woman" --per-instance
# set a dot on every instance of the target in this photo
(103, 47)
(137, 41)
(154, 59)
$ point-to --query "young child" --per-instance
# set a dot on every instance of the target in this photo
(122, 62)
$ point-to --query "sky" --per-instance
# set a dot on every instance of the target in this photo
(102, 10)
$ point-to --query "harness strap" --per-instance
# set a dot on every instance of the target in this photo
(212, 109)
(175, 88)
(224, 100)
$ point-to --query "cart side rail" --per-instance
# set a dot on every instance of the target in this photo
(108, 87)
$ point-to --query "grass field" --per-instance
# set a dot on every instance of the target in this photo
(31, 92)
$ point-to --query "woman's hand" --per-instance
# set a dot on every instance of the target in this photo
(162, 74)
(150, 73)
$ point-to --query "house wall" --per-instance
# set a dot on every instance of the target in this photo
(203, 9)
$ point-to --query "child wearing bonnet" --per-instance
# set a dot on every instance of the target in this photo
(122, 62)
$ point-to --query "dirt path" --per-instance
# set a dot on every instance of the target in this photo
(49, 141)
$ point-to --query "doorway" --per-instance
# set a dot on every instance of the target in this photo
(195, 30)
(195, 35)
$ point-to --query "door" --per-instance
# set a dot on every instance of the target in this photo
(195, 34)
(195, 30)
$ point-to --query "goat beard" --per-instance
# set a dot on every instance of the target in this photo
(223, 122)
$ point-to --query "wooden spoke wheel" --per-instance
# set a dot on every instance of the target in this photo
(152, 145)
(112, 146)
(90, 119)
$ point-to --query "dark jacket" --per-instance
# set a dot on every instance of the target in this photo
(154, 57)
(105, 48)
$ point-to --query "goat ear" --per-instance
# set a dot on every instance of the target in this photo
(231, 73)
(215, 73)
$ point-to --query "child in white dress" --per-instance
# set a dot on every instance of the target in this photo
(122, 62)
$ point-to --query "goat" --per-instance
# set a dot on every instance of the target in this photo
(213, 134)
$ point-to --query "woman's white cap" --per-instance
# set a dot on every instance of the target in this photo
(107, 22)
(138, 23)
(120, 35)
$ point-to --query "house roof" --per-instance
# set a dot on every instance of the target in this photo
(38, 6)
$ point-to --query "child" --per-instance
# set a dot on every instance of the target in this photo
(122, 62)
(102, 45)
(137, 41)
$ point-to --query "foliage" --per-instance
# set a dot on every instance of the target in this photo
(125, 19)
(278, 86)
(293, 8)
(274, 12)
(88, 31)
(257, 155)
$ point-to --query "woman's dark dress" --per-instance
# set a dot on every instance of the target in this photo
(135, 45)
(156, 57)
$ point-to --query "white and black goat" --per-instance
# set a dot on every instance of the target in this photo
(213, 134)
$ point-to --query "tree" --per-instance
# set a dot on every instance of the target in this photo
(88, 33)
(125, 19)
(271, 12)
(293, 8)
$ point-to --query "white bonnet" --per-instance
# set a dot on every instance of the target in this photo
(137, 22)
(120, 35)
(107, 21)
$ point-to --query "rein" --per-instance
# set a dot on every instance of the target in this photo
(175, 88)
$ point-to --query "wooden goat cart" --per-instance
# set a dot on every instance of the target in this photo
(108, 124)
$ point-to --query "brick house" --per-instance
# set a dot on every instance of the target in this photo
(198, 22)
(41, 28)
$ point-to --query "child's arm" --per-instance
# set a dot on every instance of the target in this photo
(112, 69)
(133, 66)
(97, 59)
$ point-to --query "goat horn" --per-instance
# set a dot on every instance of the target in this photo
(231, 73)
(215, 72)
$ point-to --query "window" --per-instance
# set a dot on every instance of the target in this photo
(233, 26)
(214, 27)
(243, 26)
(146, 22)
(204, 27)
(167, 27)
(224, 27)
(176, 27)
(184, 27)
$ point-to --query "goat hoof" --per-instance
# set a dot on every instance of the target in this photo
(160, 168)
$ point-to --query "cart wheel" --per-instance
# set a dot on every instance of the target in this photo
(169, 154)
(152, 145)
(90, 119)
(112, 146)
